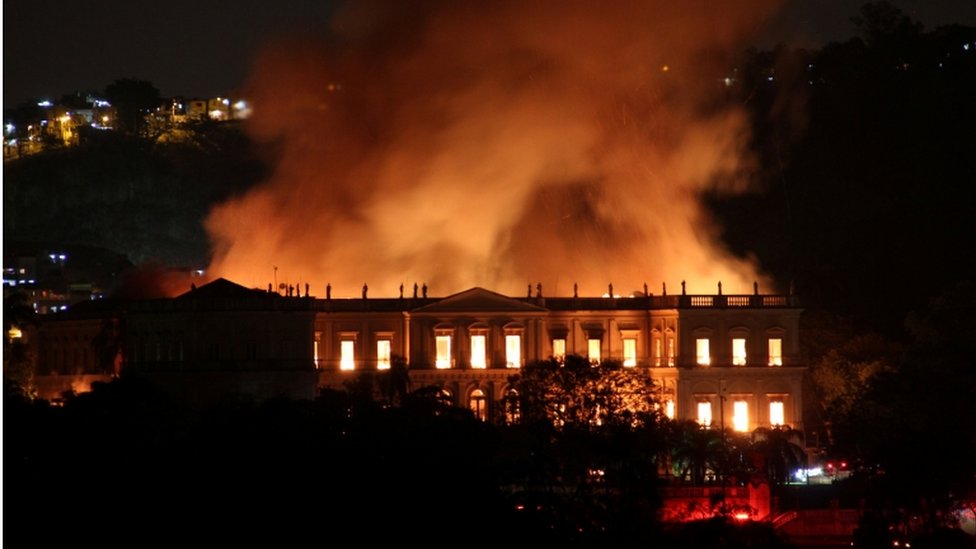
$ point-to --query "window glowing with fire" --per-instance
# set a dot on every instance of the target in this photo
(443, 347)
(740, 416)
(739, 352)
(478, 351)
(777, 413)
(704, 413)
(513, 351)
(775, 351)
(630, 352)
(702, 355)
(347, 360)
(383, 354)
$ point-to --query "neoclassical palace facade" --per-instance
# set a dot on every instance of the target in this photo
(729, 359)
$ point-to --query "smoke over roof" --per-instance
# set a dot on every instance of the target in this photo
(464, 143)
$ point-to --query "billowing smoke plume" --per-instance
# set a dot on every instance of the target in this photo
(500, 144)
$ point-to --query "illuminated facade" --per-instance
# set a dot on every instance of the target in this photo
(717, 359)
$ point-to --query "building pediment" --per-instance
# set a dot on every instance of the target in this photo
(479, 300)
(221, 289)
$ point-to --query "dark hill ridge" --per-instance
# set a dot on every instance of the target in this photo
(142, 199)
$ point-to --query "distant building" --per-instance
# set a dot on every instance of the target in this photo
(717, 359)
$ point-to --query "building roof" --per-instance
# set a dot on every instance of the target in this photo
(479, 300)
(222, 288)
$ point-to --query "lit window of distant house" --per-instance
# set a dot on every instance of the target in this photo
(775, 351)
(740, 415)
(383, 354)
(478, 404)
(702, 355)
(443, 359)
(777, 415)
(739, 352)
(670, 351)
(657, 351)
(513, 351)
(559, 349)
(478, 351)
(347, 360)
(704, 413)
(593, 351)
(669, 409)
(630, 352)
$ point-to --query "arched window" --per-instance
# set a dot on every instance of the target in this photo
(478, 404)
(512, 408)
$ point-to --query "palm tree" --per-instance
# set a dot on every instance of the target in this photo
(694, 450)
(778, 454)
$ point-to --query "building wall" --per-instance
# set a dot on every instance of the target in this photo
(256, 331)
(364, 330)
(69, 347)
(219, 340)
(685, 384)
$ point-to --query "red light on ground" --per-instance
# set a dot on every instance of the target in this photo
(741, 516)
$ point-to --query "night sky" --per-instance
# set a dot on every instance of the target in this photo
(204, 49)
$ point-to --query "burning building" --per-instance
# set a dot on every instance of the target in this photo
(730, 360)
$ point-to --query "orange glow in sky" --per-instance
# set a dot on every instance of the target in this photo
(496, 144)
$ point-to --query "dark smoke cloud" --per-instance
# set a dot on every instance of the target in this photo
(496, 143)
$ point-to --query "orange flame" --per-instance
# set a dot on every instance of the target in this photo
(497, 144)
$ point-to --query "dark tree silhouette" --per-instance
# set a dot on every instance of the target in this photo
(779, 453)
(695, 450)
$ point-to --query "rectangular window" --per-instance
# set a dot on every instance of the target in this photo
(705, 413)
(739, 352)
(775, 351)
(669, 409)
(657, 351)
(740, 416)
(513, 351)
(315, 350)
(383, 354)
(670, 351)
(347, 360)
(702, 356)
(479, 356)
(559, 349)
(630, 352)
(443, 360)
(593, 351)
(777, 414)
